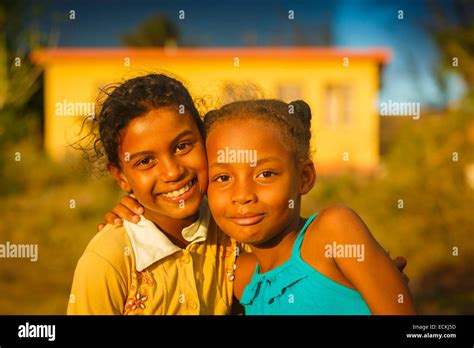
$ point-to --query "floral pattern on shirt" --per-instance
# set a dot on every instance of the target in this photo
(139, 289)
(136, 303)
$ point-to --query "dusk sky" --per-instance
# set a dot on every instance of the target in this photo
(364, 23)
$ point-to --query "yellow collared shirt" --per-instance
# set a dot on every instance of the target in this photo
(136, 269)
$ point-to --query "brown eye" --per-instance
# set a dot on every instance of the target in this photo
(182, 146)
(144, 162)
(222, 178)
(266, 174)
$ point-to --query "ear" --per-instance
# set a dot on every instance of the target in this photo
(307, 174)
(121, 179)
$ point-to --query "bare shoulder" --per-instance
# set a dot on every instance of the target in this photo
(245, 268)
(340, 221)
(338, 214)
(331, 224)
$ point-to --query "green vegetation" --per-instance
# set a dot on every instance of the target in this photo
(36, 208)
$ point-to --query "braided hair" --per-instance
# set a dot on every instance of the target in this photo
(293, 120)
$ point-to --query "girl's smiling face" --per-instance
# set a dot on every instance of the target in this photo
(252, 203)
(163, 162)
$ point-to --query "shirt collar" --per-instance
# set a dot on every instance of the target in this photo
(150, 244)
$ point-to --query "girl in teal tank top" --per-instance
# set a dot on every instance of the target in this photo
(297, 288)
(259, 169)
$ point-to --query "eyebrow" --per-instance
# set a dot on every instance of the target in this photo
(141, 153)
(179, 136)
(183, 133)
(259, 162)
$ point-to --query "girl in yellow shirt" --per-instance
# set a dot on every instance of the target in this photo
(173, 260)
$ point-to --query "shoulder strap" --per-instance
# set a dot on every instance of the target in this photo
(299, 239)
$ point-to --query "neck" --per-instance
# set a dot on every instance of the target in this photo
(172, 227)
(277, 251)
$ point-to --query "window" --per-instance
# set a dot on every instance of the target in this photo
(337, 101)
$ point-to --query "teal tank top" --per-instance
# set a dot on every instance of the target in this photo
(296, 288)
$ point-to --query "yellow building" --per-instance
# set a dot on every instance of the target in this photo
(341, 86)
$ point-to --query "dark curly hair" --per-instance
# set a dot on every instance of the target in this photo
(131, 99)
(293, 120)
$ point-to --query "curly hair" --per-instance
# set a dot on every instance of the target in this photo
(131, 99)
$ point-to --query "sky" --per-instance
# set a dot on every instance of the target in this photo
(232, 23)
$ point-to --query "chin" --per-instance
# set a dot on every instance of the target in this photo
(191, 207)
(174, 212)
(253, 238)
(183, 213)
(256, 239)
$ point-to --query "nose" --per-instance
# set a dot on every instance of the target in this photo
(243, 193)
(170, 169)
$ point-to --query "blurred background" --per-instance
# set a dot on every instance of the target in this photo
(411, 180)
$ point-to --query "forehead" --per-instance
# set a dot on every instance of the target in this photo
(247, 133)
(157, 126)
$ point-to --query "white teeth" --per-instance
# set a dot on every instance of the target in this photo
(179, 192)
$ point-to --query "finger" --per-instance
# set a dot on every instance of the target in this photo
(100, 227)
(112, 219)
(123, 212)
(400, 262)
(132, 204)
